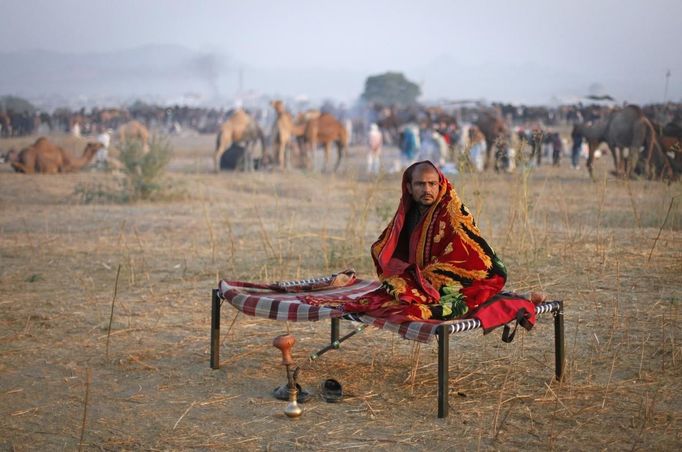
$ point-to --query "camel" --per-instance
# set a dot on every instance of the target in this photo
(670, 143)
(391, 121)
(621, 129)
(594, 133)
(110, 117)
(497, 135)
(282, 131)
(239, 128)
(665, 158)
(298, 132)
(45, 157)
(325, 130)
(134, 130)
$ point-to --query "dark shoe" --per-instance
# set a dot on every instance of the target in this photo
(331, 391)
(282, 393)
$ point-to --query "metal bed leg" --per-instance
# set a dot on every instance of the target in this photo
(559, 341)
(336, 344)
(215, 330)
(443, 332)
(335, 330)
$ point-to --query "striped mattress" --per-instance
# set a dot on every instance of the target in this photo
(274, 305)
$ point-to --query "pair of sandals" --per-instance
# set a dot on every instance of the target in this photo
(330, 391)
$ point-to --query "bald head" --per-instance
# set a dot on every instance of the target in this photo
(420, 168)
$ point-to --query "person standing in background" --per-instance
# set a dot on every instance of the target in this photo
(557, 148)
(477, 149)
(375, 141)
(577, 138)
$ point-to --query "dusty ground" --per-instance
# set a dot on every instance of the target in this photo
(585, 242)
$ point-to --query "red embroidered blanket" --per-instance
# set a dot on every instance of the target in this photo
(447, 254)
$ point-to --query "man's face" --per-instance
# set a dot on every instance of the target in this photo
(424, 185)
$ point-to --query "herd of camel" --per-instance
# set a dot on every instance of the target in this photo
(637, 144)
(45, 157)
(298, 135)
(294, 139)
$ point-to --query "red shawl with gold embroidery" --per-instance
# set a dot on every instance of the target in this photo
(446, 249)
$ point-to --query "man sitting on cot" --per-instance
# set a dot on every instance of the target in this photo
(431, 258)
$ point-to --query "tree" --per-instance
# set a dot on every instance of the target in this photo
(391, 88)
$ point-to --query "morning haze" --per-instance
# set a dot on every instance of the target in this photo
(209, 52)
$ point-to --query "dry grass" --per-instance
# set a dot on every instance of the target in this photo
(586, 243)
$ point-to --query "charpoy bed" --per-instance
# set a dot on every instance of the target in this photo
(286, 301)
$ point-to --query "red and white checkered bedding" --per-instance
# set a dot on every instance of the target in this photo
(278, 305)
(288, 306)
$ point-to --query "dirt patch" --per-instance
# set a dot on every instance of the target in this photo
(585, 242)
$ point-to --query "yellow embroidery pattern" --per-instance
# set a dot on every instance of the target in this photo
(426, 312)
(441, 232)
(460, 220)
(438, 280)
(376, 249)
(419, 295)
(427, 222)
(390, 303)
(448, 249)
(397, 285)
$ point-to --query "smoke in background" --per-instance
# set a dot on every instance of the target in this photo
(208, 67)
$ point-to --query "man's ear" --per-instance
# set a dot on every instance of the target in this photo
(409, 187)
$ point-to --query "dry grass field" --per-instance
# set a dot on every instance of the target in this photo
(611, 249)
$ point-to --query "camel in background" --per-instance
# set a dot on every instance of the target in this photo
(665, 160)
(309, 129)
(239, 128)
(497, 136)
(45, 157)
(625, 128)
(670, 144)
(299, 133)
(134, 131)
(282, 131)
(326, 129)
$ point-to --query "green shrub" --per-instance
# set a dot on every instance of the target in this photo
(143, 176)
(144, 170)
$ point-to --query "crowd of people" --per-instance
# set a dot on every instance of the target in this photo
(453, 149)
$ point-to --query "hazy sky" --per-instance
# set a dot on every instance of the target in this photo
(524, 49)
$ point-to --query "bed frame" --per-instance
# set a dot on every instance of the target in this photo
(442, 331)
